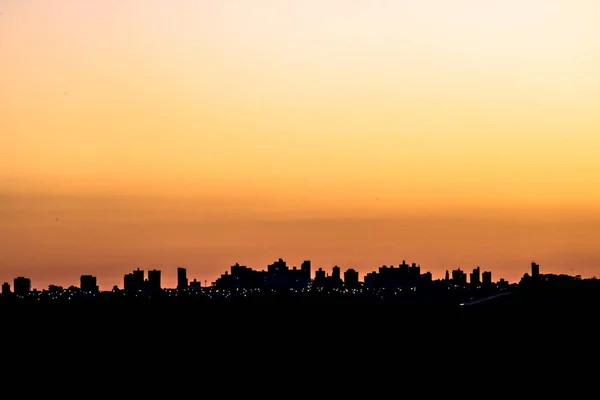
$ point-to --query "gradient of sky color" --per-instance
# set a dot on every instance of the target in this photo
(159, 133)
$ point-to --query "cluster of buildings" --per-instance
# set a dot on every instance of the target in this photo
(280, 275)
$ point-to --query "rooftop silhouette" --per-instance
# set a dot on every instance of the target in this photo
(401, 284)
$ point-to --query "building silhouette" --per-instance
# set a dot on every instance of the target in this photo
(134, 281)
(21, 286)
(404, 276)
(486, 278)
(195, 285)
(88, 283)
(277, 275)
(535, 270)
(182, 280)
(138, 278)
(475, 278)
(6, 288)
(404, 283)
(459, 277)
(306, 270)
(351, 278)
(154, 280)
(336, 273)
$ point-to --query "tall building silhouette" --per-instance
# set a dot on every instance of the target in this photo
(459, 277)
(486, 277)
(129, 282)
(306, 270)
(88, 283)
(336, 273)
(351, 278)
(22, 286)
(6, 288)
(154, 277)
(138, 278)
(320, 276)
(475, 278)
(182, 280)
(134, 281)
(535, 270)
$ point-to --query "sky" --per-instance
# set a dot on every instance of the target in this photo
(158, 134)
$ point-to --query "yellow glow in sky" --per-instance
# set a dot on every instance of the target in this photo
(281, 109)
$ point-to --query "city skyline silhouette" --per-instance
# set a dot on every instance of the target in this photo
(404, 284)
(179, 178)
(158, 134)
(154, 277)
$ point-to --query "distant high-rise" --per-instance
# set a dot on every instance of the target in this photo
(88, 283)
(320, 276)
(22, 286)
(277, 267)
(306, 270)
(426, 278)
(459, 277)
(535, 270)
(154, 277)
(414, 274)
(486, 277)
(138, 278)
(182, 281)
(475, 277)
(351, 278)
(6, 288)
(336, 273)
(129, 283)
(195, 285)
(134, 281)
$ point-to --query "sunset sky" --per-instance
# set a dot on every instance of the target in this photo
(201, 133)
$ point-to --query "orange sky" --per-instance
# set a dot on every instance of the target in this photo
(359, 133)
